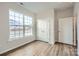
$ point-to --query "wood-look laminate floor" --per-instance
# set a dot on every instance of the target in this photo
(39, 48)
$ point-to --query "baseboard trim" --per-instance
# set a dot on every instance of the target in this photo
(66, 44)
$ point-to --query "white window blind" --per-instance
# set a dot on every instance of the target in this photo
(19, 25)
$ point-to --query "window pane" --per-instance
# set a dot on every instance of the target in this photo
(30, 22)
(12, 32)
(21, 21)
(11, 17)
(11, 13)
(16, 21)
(17, 34)
(28, 27)
(26, 17)
(21, 31)
(16, 31)
(26, 20)
(28, 31)
(11, 22)
(29, 17)
(21, 15)
(17, 14)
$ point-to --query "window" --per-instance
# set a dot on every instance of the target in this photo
(19, 25)
(28, 25)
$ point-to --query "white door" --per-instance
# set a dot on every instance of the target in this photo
(43, 30)
(66, 30)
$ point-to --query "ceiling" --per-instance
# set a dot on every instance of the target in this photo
(36, 7)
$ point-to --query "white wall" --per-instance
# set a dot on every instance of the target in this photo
(6, 45)
(68, 12)
(48, 15)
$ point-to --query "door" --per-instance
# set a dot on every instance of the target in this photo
(43, 30)
(66, 30)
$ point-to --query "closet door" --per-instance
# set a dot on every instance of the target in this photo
(43, 30)
(66, 30)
